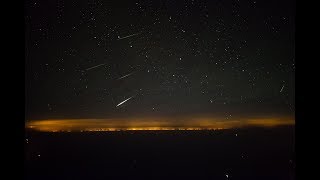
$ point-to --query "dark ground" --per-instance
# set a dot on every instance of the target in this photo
(255, 153)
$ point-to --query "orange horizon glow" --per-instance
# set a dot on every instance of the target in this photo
(153, 124)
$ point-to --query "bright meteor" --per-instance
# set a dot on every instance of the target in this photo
(124, 101)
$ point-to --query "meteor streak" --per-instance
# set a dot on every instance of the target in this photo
(95, 66)
(282, 88)
(119, 38)
(124, 101)
(125, 76)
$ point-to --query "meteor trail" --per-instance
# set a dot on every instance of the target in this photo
(119, 38)
(125, 76)
(124, 101)
(282, 88)
(95, 66)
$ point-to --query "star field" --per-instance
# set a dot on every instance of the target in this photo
(83, 58)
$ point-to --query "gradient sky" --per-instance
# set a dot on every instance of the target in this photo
(230, 57)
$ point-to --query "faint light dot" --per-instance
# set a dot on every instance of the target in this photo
(38, 155)
(227, 175)
(131, 46)
(236, 134)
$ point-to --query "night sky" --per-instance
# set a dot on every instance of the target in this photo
(228, 57)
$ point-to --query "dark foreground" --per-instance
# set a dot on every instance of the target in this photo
(252, 153)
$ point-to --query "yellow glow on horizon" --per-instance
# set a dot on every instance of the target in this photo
(153, 124)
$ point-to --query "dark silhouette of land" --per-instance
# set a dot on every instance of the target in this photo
(248, 153)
